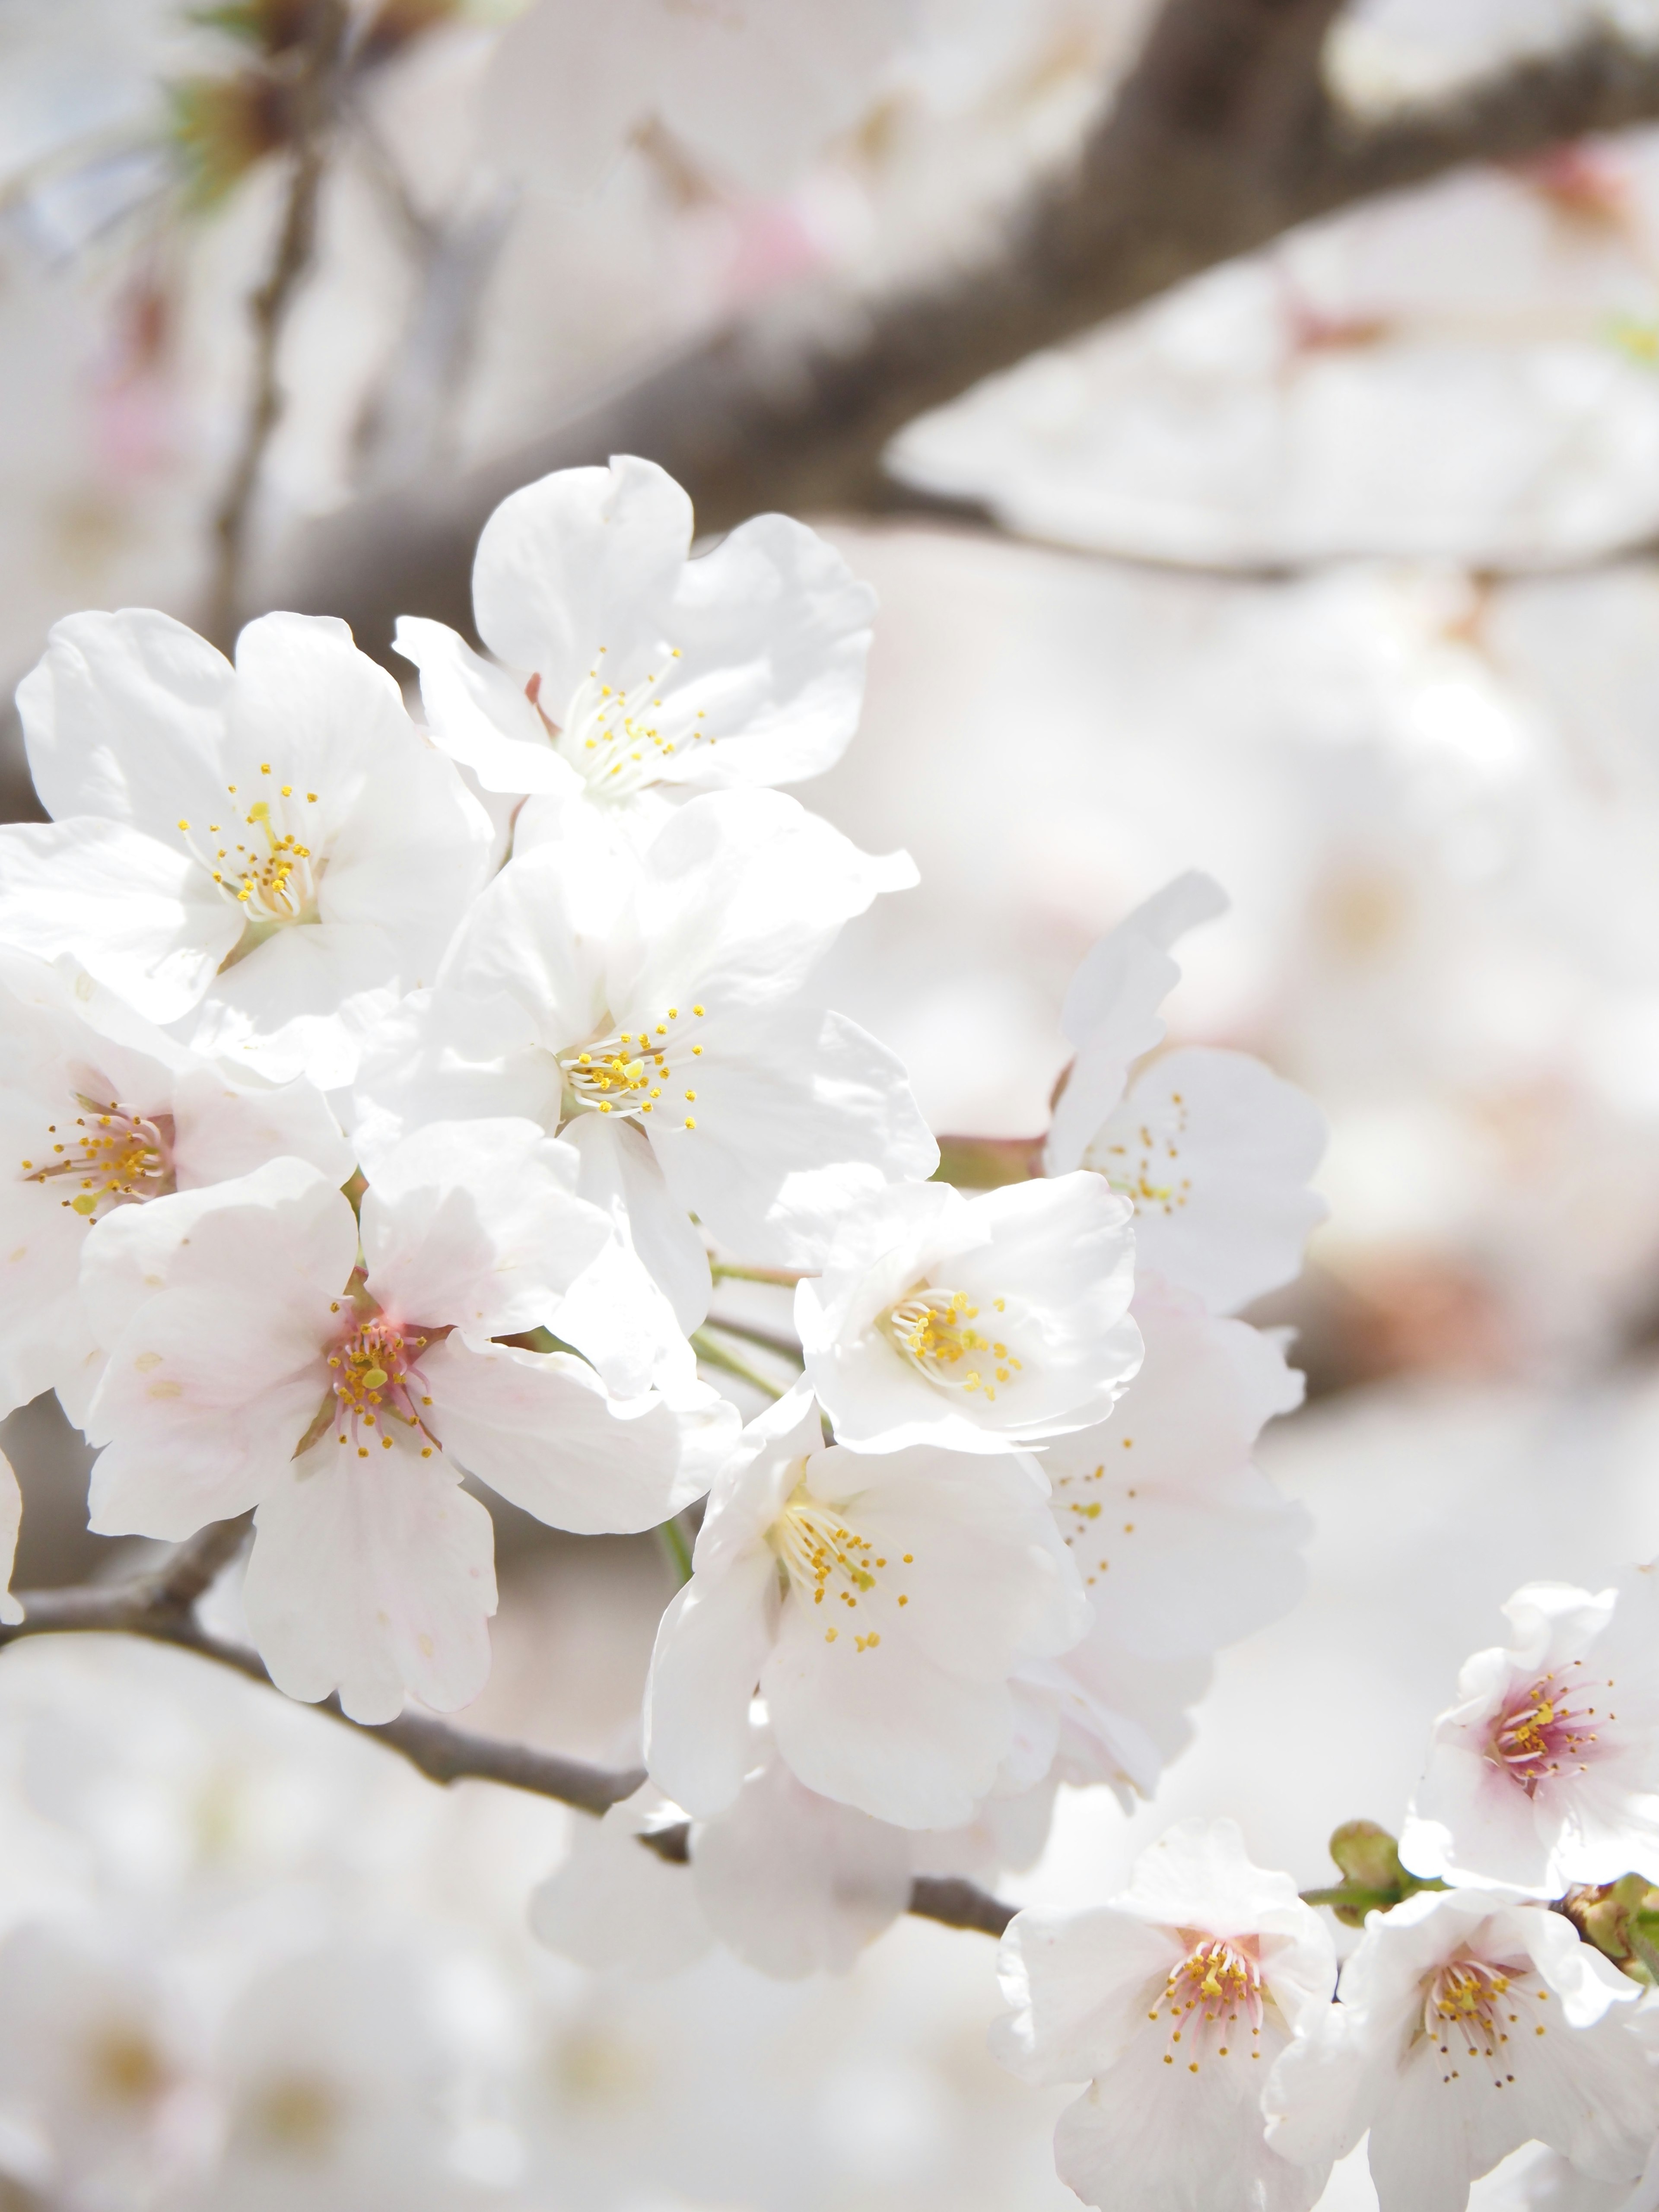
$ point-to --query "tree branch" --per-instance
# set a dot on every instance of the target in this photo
(160, 1608)
(315, 93)
(1221, 138)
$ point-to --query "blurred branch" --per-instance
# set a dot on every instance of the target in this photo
(320, 57)
(1222, 137)
(160, 1608)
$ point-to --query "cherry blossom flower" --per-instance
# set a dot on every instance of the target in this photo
(1211, 1148)
(1546, 1771)
(269, 849)
(657, 1014)
(880, 1604)
(1468, 2025)
(1173, 2001)
(252, 1362)
(629, 669)
(980, 1324)
(101, 1110)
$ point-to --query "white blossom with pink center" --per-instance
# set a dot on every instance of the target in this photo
(1546, 1771)
(257, 1360)
(100, 1110)
(1174, 2003)
(1469, 2023)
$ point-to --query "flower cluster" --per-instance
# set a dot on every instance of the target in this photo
(385, 1100)
(1494, 1999)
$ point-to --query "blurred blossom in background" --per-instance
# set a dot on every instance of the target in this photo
(1329, 571)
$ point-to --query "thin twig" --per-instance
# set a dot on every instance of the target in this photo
(718, 1355)
(769, 1339)
(314, 94)
(785, 1278)
(149, 1607)
(194, 1568)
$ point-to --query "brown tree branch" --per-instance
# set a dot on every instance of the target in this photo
(315, 88)
(1222, 137)
(160, 1608)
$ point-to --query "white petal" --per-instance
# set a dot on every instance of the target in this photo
(631, 1308)
(301, 1004)
(615, 1903)
(582, 559)
(740, 894)
(1215, 1151)
(773, 631)
(373, 1576)
(222, 1129)
(797, 1115)
(476, 1224)
(1184, 1545)
(1075, 1985)
(1110, 1010)
(124, 718)
(479, 713)
(540, 1428)
(1167, 2140)
(144, 920)
(710, 1646)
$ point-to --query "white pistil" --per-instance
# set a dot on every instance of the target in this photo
(116, 1156)
(624, 1073)
(611, 736)
(1212, 1998)
(1546, 1727)
(270, 872)
(933, 1330)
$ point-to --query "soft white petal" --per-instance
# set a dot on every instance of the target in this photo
(145, 921)
(796, 1115)
(541, 1429)
(476, 1224)
(1111, 1010)
(373, 1576)
(123, 718)
(615, 1903)
(711, 1644)
(1215, 1153)
(222, 1129)
(479, 713)
(582, 559)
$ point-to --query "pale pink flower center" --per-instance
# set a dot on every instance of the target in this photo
(1213, 2003)
(108, 1156)
(1472, 2008)
(1550, 1728)
(377, 1382)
